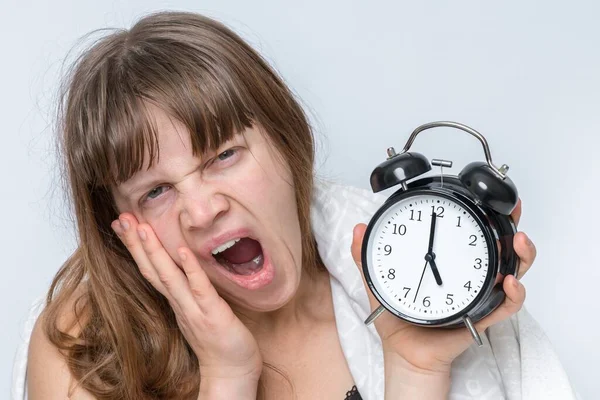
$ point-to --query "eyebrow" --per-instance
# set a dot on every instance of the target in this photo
(149, 181)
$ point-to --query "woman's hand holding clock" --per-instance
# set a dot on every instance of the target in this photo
(419, 358)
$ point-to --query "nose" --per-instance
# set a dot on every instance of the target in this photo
(202, 207)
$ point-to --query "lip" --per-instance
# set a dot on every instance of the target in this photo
(252, 282)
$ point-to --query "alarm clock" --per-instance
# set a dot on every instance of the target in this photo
(436, 252)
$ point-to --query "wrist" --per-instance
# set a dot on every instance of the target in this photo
(227, 389)
(404, 380)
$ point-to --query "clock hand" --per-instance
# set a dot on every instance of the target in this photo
(424, 268)
(431, 233)
(431, 259)
(430, 256)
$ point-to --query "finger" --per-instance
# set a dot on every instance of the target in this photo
(201, 288)
(516, 213)
(171, 277)
(357, 238)
(513, 301)
(386, 323)
(126, 229)
(526, 251)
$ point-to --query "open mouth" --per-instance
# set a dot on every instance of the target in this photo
(243, 256)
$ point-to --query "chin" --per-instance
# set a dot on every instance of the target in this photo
(279, 292)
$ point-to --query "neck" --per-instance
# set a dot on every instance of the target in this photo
(311, 304)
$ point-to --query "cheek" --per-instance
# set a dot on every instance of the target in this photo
(167, 230)
(270, 193)
(271, 183)
(265, 189)
(277, 209)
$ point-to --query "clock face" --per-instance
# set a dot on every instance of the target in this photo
(401, 265)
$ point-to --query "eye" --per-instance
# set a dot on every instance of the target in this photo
(155, 193)
(226, 154)
(226, 158)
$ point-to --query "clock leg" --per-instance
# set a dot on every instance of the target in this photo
(378, 311)
(474, 333)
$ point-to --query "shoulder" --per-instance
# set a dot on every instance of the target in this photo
(48, 375)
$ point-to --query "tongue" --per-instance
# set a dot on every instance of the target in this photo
(243, 251)
(243, 258)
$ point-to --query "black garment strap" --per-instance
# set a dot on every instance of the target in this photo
(353, 394)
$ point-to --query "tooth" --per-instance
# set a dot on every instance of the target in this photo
(224, 246)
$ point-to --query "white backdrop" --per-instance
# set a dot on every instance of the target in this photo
(525, 75)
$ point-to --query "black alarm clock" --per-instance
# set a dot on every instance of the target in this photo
(436, 252)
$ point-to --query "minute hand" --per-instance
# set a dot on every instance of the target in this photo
(431, 233)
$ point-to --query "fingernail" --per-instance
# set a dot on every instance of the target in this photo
(529, 242)
(116, 226)
(516, 283)
(124, 224)
(182, 255)
(141, 233)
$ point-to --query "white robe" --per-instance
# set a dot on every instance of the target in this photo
(517, 361)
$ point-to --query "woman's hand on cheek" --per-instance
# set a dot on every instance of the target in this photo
(419, 354)
(227, 352)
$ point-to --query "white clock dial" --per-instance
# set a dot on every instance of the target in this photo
(397, 248)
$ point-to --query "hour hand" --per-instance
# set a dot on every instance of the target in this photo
(430, 258)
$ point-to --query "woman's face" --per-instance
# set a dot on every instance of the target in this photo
(241, 191)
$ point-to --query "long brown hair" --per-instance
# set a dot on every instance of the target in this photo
(128, 345)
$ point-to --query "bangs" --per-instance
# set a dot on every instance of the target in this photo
(121, 133)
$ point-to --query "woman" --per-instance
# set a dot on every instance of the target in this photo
(197, 273)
